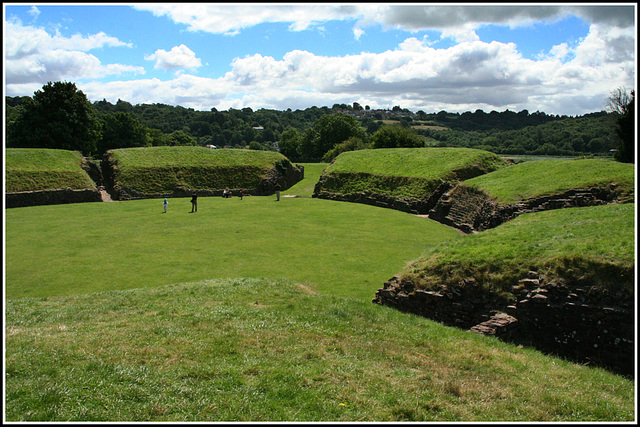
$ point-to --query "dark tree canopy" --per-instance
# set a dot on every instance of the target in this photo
(58, 116)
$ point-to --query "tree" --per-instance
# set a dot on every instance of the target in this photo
(623, 104)
(328, 131)
(121, 130)
(290, 142)
(394, 136)
(59, 116)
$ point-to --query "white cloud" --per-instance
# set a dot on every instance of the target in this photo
(456, 21)
(33, 55)
(177, 58)
(34, 11)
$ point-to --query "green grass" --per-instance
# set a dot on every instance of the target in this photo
(263, 350)
(545, 177)
(92, 247)
(304, 188)
(33, 169)
(160, 170)
(405, 172)
(594, 244)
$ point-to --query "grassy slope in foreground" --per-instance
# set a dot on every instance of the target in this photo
(160, 170)
(546, 177)
(262, 350)
(34, 169)
(405, 172)
(593, 244)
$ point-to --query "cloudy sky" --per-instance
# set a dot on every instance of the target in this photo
(562, 59)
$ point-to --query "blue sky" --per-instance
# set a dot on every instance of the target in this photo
(453, 57)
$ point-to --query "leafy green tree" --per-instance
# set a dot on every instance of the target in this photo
(352, 144)
(290, 142)
(394, 136)
(623, 104)
(181, 138)
(328, 131)
(121, 130)
(58, 116)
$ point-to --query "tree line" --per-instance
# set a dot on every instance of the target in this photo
(60, 116)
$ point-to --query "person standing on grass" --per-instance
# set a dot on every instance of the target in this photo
(165, 204)
(277, 192)
(194, 202)
(241, 193)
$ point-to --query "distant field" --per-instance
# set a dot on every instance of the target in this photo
(410, 172)
(160, 170)
(32, 169)
(545, 177)
(596, 243)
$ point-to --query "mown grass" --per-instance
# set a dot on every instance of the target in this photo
(160, 170)
(304, 188)
(33, 169)
(264, 350)
(595, 244)
(91, 247)
(545, 177)
(405, 172)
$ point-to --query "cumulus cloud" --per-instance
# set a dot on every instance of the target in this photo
(34, 56)
(455, 21)
(230, 19)
(177, 58)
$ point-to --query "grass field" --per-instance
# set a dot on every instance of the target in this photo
(32, 169)
(257, 310)
(537, 178)
(93, 247)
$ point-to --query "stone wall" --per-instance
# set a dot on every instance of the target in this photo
(471, 210)
(575, 321)
(51, 197)
(284, 173)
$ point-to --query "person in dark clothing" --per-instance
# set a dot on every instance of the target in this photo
(194, 202)
(277, 192)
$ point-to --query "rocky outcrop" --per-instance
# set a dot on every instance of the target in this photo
(580, 322)
(51, 197)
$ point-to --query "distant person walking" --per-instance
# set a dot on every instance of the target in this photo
(277, 192)
(241, 194)
(194, 202)
(165, 204)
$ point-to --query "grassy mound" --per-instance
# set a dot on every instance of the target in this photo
(161, 170)
(547, 177)
(266, 350)
(594, 245)
(405, 172)
(35, 169)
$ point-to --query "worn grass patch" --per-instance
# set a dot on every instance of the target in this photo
(34, 169)
(264, 350)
